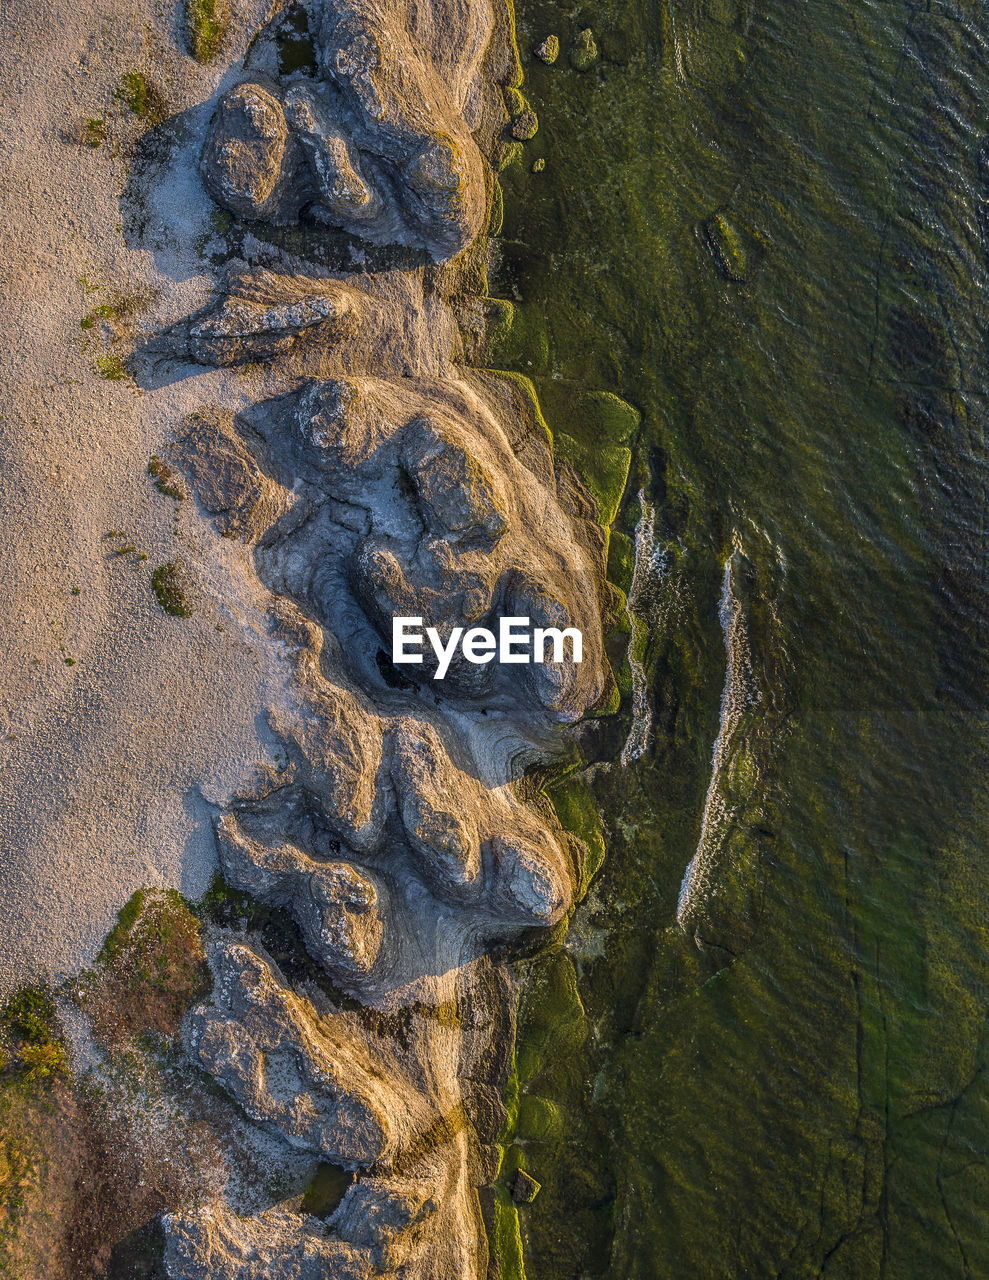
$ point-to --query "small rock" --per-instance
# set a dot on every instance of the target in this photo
(549, 50)
(525, 1188)
(539, 165)
(584, 51)
(525, 126)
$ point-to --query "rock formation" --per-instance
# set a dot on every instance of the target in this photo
(386, 478)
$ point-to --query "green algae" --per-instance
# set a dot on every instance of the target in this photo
(727, 244)
(521, 341)
(497, 212)
(578, 813)
(584, 50)
(326, 1189)
(621, 560)
(725, 240)
(604, 470)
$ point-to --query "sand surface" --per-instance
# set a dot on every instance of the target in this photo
(108, 764)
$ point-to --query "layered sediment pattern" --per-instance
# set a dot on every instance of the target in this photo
(385, 478)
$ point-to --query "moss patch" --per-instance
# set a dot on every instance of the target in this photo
(168, 584)
(166, 481)
(33, 1047)
(578, 813)
(142, 97)
(111, 367)
(150, 969)
(94, 132)
(206, 25)
(603, 470)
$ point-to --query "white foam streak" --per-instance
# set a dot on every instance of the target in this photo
(650, 562)
(734, 696)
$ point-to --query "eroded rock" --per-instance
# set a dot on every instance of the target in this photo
(213, 1241)
(308, 1078)
(548, 50)
(382, 479)
(224, 476)
(264, 313)
(249, 159)
(338, 908)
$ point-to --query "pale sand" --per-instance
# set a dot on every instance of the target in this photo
(106, 767)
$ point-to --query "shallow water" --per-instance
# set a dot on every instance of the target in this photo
(765, 225)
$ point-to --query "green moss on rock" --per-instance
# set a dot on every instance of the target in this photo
(578, 814)
(523, 343)
(548, 50)
(497, 218)
(727, 243)
(604, 470)
(621, 560)
(511, 154)
(584, 51)
(142, 97)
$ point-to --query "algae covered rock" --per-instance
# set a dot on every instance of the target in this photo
(525, 1188)
(584, 50)
(525, 126)
(548, 50)
(729, 246)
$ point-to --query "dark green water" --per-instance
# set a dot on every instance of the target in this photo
(765, 225)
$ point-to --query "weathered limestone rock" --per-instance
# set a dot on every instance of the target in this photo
(406, 97)
(384, 150)
(212, 1241)
(460, 532)
(455, 494)
(263, 314)
(224, 476)
(532, 880)
(337, 907)
(346, 194)
(308, 1078)
(387, 1217)
(337, 745)
(566, 689)
(249, 160)
(382, 478)
(437, 805)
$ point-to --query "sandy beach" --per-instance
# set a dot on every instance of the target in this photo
(118, 723)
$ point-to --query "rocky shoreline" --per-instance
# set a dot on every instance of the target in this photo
(382, 475)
